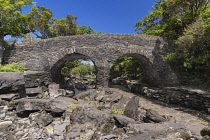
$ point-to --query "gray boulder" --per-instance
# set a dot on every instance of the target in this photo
(12, 82)
(131, 109)
(42, 119)
(36, 78)
(122, 121)
(153, 116)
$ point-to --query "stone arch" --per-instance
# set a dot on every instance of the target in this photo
(102, 49)
(56, 68)
(150, 75)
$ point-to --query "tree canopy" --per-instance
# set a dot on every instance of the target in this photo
(187, 23)
(77, 68)
(127, 67)
(39, 21)
(43, 25)
(12, 22)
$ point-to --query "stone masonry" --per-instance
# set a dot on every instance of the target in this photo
(50, 55)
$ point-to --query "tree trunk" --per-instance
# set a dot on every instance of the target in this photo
(1, 47)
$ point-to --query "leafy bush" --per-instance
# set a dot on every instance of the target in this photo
(12, 68)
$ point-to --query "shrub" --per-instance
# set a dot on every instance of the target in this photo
(12, 68)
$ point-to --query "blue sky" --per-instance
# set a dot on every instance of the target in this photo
(108, 16)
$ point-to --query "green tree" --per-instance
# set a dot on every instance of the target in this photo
(12, 22)
(40, 21)
(169, 18)
(187, 23)
(28, 38)
(81, 30)
(43, 25)
(66, 70)
(66, 26)
(128, 67)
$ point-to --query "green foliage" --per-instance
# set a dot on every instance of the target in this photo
(169, 18)
(77, 68)
(81, 30)
(12, 68)
(71, 105)
(98, 91)
(12, 22)
(43, 25)
(126, 67)
(115, 111)
(66, 70)
(96, 106)
(187, 23)
(87, 99)
(40, 21)
(28, 38)
(66, 26)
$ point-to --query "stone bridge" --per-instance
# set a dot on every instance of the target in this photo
(50, 55)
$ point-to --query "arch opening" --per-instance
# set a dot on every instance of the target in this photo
(75, 72)
(134, 68)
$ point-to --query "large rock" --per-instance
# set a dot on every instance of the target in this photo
(153, 116)
(36, 78)
(34, 91)
(5, 124)
(122, 121)
(42, 119)
(9, 97)
(131, 109)
(55, 106)
(28, 105)
(12, 82)
(54, 90)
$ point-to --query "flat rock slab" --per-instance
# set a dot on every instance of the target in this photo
(8, 97)
(59, 104)
(11, 81)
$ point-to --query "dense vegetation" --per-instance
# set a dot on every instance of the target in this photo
(127, 67)
(12, 68)
(39, 22)
(187, 23)
(78, 68)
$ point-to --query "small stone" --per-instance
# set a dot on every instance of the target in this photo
(2, 116)
(49, 130)
(9, 97)
(206, 138)
(42, 119)
(33, 91)
(59, 128)
(205, 131)
(5, 124)
(109, 137)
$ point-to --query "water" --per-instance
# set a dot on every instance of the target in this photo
(78, 91)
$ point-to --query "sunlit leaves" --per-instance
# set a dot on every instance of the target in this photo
(126, 67)
(11, 20)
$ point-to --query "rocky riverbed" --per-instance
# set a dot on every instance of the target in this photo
(97, 114)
